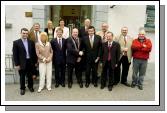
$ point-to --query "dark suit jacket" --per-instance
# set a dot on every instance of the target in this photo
(19, 53)
(92, 53)
(59, 54)
(72, 51)
(82, 32)
(115, 53)
(46, 30)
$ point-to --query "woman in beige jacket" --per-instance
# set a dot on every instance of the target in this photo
(44, 53)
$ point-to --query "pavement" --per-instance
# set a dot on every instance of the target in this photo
(119, 92)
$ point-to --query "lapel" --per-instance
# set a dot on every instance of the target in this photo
(106, 47)
(57, 44)
(95, 40)
(74, 43)
(29, 46)
(88, 42)
(22, 45)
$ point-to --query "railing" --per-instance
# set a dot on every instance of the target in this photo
(9, 66)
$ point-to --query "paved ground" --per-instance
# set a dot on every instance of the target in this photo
(119, 92)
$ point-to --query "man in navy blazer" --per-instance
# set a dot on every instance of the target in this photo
(92, 47)
(25, 58)
(110, 55)
(74, 57)
(59, 57)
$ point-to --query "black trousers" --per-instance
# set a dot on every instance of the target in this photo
(60, 73)
(91, 67)
(78, 72)
(108, 72)
(27, 72)
(125, 69)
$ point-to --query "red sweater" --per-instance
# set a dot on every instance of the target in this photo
(139, 51)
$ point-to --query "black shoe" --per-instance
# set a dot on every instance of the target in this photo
(22, 92)
(102, 87)
(31, 89)
(115, 83)
(81, 85)
(69, 85)
(126, 84)
(140, 87)
(87, 85)
(63, 84)
(57, 85)
(109, 88)
(95, 85)
(133, 85)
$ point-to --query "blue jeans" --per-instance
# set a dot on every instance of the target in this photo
(139, 66)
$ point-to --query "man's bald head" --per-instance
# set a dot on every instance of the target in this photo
(87, 22)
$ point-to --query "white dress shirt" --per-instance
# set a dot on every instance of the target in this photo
(65, 32)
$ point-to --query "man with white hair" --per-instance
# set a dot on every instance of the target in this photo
(125, 42)
(141, 47)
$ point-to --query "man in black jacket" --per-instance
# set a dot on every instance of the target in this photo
(74, 57)
(92, 47)
(83, 31)
(59, 57)
(25, 58)
(109, 56)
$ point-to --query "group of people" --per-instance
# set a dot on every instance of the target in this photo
(95, 53)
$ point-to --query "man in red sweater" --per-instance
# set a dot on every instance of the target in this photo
(141, 47)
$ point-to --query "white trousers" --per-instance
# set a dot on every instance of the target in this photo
(45, 71)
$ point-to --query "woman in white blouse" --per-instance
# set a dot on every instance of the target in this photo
(65, 29)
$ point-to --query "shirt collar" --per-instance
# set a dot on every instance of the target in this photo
(110, 43)
(36, 31)
(92, 36)
(24, 39)
(59, 38)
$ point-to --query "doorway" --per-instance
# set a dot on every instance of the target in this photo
(73, 15)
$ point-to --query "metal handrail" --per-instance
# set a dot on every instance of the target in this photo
(9, 65)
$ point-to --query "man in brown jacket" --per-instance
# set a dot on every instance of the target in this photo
(125, 42)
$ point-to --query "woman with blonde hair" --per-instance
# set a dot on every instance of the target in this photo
(44, 53)
(50, 30)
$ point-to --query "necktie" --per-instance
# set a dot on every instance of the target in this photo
(36, 36)
(76, 41)
(125, 40)
(91, 41)
(109, 52)
(60, 43)
(103, 37)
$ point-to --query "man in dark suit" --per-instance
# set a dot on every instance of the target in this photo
(74, 56)
(92, 47)
(83, 31)
(25, 59)
(110, 56)
(59, 57)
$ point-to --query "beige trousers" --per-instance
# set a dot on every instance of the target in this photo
(45, 72)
